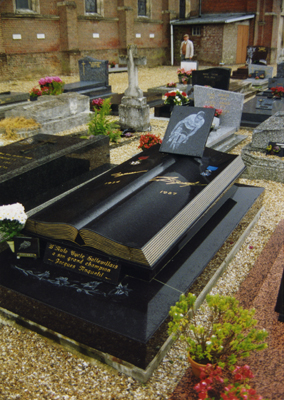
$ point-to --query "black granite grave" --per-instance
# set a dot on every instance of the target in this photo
(259, 109)
(129, 319)
(217, 78)
(257, 55)
(93, 79)
(38, 168)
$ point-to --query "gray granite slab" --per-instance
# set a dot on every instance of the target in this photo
(91, 69)
(271, 130)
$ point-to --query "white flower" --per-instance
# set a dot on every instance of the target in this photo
(208, 342)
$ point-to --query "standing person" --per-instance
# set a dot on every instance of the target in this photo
(186, 49)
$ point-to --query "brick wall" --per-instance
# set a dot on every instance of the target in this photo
(223, 6)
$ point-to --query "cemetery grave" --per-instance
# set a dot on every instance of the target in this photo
(113, 284)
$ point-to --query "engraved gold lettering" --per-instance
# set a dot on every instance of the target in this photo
(118, 174)
(173, 180)
(95, 64)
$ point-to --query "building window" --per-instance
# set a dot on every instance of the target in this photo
(91, 6)
(196, 31)
(143, 8)
(23, 5)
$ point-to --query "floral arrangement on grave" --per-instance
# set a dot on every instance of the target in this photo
(148, 140)
(273, 149)
(51, 85)
(184, 76)
(277, 91)
(112, 64)
(35, 92)
(227, 335)
(171, 84)
(12, 220)
(218, 111)
(97, 103)
(234, 386)
(176, 97)
(101, 123)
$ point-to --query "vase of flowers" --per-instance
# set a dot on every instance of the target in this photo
(216, 119)
(171, 85)
(277, 92)
(35, 93)
(148, 140)
(51, 85)
(12, 221)
(175, 98)
(227, 335)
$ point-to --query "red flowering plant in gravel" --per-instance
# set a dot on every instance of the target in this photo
(235, 386)
(277, 91)
(97, 103)
(148, 140)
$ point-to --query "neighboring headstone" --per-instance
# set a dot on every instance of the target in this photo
(217, 78)
(257, 70)
(93, 79)
(231, 105)
(264, 103)
(55, 113)
(272, 82)
(257, 55)
(93, 70)
(133, 111)
(9, 99)
(280, 70)
(259, 164)
(260, 108)
(187, 131)
(37, 168)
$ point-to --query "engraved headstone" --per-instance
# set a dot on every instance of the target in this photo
(280, 70)
(272, 82)
(254, 69)
(187, 131)
(257, 55)
(230, 103)
(94, 70)
(217, 78)
(264, 103)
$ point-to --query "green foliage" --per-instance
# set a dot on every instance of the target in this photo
(228, 334)
(99, 125)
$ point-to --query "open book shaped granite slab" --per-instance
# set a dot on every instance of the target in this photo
(141, 210)
(188, 131)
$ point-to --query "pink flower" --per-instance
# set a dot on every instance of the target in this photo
(42, 81)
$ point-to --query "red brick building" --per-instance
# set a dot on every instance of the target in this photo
(40, 37)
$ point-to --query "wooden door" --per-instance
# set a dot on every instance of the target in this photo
(242, 42)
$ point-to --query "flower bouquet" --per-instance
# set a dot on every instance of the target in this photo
(51, 85)
(176, 97)
(148, 140)
(112, 64)
(218, 111)
(35, 93)
(171, 84)
(12, 221)
(277, 91)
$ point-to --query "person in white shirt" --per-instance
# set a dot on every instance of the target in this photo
(186, 49)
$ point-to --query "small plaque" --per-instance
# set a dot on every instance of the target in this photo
(264, 104)
(98, 267)
(26, 246)
(275, 149)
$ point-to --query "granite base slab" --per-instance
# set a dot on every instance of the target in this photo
(128, 320)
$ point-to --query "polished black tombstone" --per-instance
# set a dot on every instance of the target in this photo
(93, 79)
(217, 78)
(128, 319)
(35, 169)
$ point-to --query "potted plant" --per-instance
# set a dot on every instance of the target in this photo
(277, 92)
(35, 93)
(228, 333)
(171, 85)
(51, 85)
(148, 140)
(12, 221)
(180, 73)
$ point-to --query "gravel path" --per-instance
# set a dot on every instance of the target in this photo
(33, 367)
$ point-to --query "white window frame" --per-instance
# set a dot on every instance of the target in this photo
(100, 8)
(196, 31)
(32, 8)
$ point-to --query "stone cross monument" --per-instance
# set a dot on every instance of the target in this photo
(133, 110)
